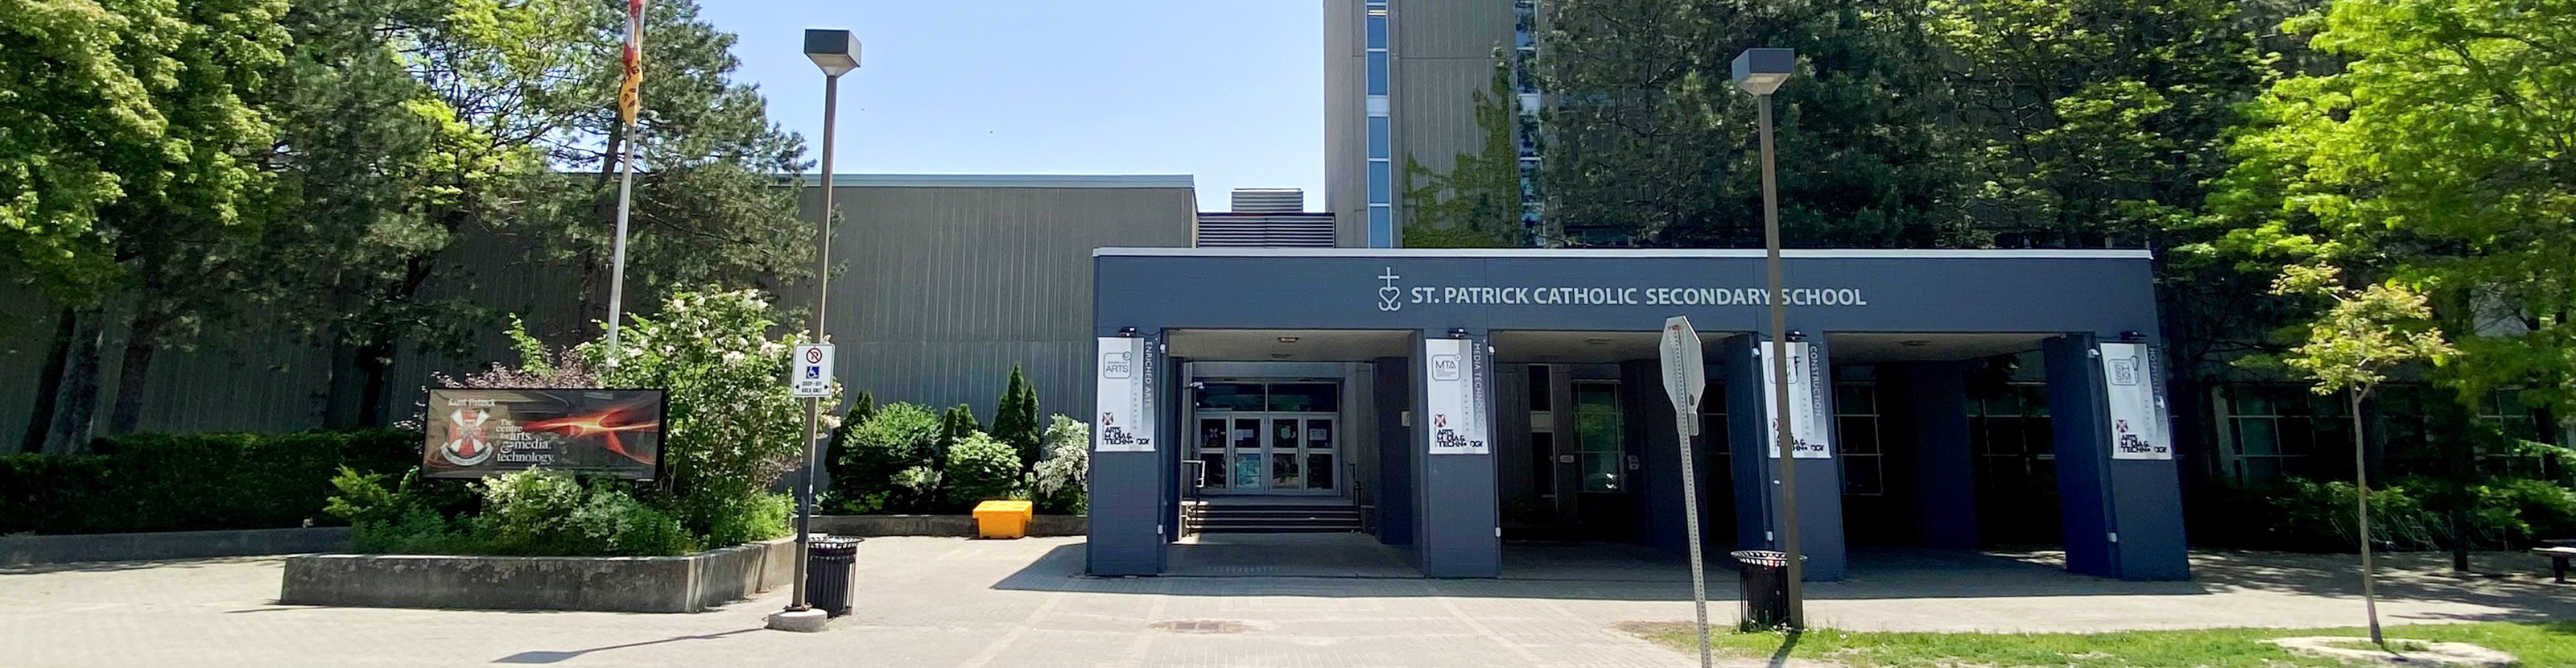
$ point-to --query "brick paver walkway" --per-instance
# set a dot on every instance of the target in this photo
(975, 604)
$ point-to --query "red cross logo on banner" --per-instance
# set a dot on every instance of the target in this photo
(1439, 419)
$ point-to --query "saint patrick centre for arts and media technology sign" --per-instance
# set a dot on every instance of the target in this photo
(472, 433)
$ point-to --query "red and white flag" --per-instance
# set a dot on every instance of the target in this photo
(629, 92)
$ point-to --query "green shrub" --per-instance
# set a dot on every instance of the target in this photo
(731, 428)
(402, 520)
(540, 512)
(162, 482)
(917, 490)
(865, 475)
(837, 461)
(982, 469)
(2298, 514)
(1060, 484)
(955, 426)
(1016, 422)
(745, 519)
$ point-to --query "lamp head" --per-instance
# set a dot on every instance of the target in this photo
(834, 50)
(1760, 71)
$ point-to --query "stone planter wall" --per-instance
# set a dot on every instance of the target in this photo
(687, 583)
(26, 550)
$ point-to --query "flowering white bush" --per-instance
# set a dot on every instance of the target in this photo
(731, 427)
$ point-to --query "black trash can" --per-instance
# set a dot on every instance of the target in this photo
(831, 573)
(1763, 576)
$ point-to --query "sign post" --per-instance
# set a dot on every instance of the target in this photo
(809, 376)
(1686, 380)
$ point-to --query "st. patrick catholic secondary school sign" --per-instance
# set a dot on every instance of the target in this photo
(1393, 295)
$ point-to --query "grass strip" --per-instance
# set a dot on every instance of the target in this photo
(2538, 644)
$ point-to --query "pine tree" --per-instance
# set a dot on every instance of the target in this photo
(861, 408)
(955, 426)
(1016, 421)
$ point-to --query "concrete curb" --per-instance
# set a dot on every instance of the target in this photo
(938, 525)
(31, 550)
(686, 583)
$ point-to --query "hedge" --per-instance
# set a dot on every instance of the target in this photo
(196, 482)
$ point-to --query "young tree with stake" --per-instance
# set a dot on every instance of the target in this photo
(2349, 349)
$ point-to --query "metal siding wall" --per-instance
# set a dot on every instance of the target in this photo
(944, 289)
(1345, 124)
(1445, 55)
(25, 339)
(1453, 28)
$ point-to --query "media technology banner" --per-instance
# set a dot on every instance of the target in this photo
(1456, 396)
(1126, 396)
(1807, 437)
(479, 432)
(2139, 428)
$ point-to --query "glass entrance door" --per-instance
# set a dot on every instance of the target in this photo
(1268, 453)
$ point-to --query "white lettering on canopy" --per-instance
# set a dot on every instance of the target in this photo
(1624, 296)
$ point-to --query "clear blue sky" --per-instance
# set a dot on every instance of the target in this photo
(1229, 91)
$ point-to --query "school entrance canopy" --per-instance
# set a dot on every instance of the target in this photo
(1437, 391)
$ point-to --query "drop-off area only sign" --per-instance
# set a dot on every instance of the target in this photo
(810, 372)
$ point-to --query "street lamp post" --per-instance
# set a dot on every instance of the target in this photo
(836, 52)
(1761, 71)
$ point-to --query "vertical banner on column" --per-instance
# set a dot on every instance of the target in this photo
(1126, 397)
(2140, 425)
(1806, 405)
(1454, 381)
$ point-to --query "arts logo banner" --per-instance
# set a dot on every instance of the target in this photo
(472, 433)
(1126, 397)
(1806, 404)
(1457, 407)
(2140, 428)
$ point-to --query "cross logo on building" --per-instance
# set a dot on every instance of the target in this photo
(1387, 294)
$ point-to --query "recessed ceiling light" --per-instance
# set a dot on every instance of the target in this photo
(1287, 339)
(1279, 356)
(1914, 344)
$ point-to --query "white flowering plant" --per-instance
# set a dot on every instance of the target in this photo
(731, 428)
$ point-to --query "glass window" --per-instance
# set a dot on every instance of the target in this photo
(1381, 231)
(1543, 463)
(1538, 388)
(1231, 396)
(1376, 29)
(1376, 72)
(1381, 184)
(1212, 440)
(2283, 426)
(1712, 420)
(1378, 137)
(1597, 434)
(2016, 470)
(1247, 454)
(1304, 398)
(1856, 424)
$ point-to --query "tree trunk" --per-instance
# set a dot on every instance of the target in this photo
(133, 377)
(375, 360)
(40, 420)
(76, 400)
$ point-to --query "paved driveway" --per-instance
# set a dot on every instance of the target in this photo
(953, 602)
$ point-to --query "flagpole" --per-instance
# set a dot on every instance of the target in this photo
(628, 99)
